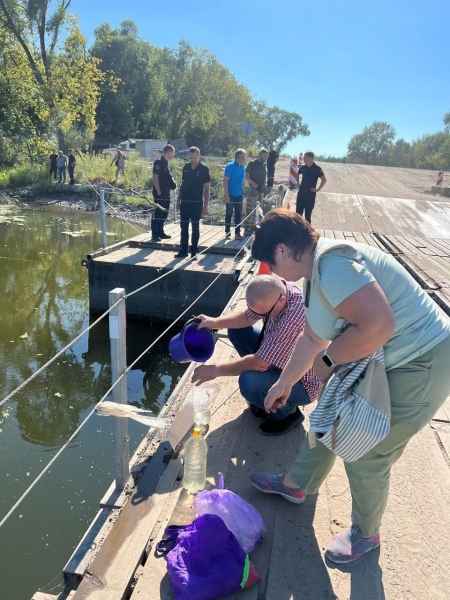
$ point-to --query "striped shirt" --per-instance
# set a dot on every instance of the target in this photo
(281, 335)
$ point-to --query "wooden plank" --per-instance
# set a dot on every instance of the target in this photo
(440, 248)
(349, 236)
(443, 242)
(360, 238)
(423, 246)
(372, 241)
(339, 235)
(328, 233)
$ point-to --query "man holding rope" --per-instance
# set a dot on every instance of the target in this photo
(264, 352)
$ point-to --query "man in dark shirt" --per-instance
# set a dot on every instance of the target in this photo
(163, 182)
(190, 201)
(255, 176)
(271, 161)
(53, 167)
(306, 197)
(72, 161)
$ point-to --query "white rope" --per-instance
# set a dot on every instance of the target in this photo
(83, 423)
(122, 217)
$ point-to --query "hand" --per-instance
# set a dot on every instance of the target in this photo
(178, 206)
(204, 211)
(227, 198)
(277, 397)
(204, 373)
(322, 372)
(254, 185)
(206, 322)
(315, 190)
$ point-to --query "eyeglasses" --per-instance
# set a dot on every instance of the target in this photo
(265, 315)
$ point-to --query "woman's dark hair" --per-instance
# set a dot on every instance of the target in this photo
(282, 226)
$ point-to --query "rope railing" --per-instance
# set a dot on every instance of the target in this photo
(103, 398)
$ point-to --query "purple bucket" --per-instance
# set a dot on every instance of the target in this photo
(192, 344)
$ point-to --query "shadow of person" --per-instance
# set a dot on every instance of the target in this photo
(366, 576)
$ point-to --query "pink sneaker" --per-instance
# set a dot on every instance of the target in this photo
(350, 545)
(273, 484)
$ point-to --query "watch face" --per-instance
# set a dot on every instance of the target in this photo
(326, 359)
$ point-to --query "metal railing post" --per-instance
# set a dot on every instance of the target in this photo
(174, 204)
(257, 213)
(117, 336)
(102, 217)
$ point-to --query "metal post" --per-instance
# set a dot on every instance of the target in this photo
(257, 214)
(117, 336)
(174, 204)
(102, 217)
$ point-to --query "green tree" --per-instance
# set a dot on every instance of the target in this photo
(278, 127)
(400, 154)
(372, 145)
(446, 120)
(432, 151)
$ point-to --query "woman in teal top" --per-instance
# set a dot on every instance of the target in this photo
(364, 300)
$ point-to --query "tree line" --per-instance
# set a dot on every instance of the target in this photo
(55, 89)
(378, 144)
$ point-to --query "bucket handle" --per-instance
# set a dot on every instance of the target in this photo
(193, 319)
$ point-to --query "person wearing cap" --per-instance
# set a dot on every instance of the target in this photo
(306, 197)
(163, 182)
(255, 176)
(264, 351)
(233, 186)
(271, 162)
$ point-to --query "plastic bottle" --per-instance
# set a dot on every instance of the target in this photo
(195, 457)
(202, 408)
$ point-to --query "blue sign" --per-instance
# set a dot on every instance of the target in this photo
(247, 127)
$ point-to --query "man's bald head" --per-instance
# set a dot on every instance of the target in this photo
(263, 291)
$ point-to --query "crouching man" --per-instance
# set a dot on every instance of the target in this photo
(264, 351)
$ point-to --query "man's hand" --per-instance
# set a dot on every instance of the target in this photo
(205, 210)
(178, 205)
(277, 397)
(204, 373)
(315, 190)
(227, 198)
(206, 322)
(253, 184)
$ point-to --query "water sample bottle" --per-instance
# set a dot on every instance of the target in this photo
(195, 456)
(202, 408)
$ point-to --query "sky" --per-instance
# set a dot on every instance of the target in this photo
(341, 64)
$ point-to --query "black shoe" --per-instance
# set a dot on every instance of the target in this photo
(155, 240)
(164, 236)
(181, 254)
(260, 413)
(282, 426)
(194, 255)
(227, 234)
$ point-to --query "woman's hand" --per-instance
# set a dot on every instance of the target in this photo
(321, 371)
(277, 397)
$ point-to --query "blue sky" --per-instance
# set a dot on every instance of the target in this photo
(341, 64)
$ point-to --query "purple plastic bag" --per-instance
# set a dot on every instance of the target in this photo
(206, 560)
(239, 516)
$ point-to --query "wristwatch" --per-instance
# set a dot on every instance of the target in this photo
(328, 360)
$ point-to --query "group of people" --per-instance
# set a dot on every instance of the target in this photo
(58, 164)
(355, 300)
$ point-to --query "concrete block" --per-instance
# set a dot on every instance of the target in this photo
(442, 191)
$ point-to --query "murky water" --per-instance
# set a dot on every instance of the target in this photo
(44, 305)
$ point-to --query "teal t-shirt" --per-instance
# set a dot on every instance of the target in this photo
(419, 322)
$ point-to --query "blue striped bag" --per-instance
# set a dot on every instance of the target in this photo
(353, 413)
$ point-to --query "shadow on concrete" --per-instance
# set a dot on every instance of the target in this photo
(366, 577)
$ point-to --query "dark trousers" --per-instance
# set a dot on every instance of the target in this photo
(270, 175)
(71, 172)
(159, 217)
(53, 171)
(190, 212)
(305, 202)
(236, 204)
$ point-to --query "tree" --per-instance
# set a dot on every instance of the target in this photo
(279, 127)
(372, 145)
(432, 151)
(446, 120)
(400, 154)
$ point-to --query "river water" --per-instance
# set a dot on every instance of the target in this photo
(44, 305)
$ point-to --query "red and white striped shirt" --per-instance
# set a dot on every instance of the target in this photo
(281, 334)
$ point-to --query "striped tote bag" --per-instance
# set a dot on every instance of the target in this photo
(353, 413)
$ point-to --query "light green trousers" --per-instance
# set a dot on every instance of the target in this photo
(417, 390)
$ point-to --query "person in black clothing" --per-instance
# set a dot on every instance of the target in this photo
(190, 201)
(306, 197)
(53, 167)
(72, 163)
(271, 161)
(163, 182)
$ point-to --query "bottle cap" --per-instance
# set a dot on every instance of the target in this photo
(197, 432)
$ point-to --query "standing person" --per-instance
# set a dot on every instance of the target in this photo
(119, 161)
(192, 201)
(233, 187)
(306, 197)
(61, 163)
(53, 164)
(163, 182)
(72, 163)
(255, 175)
(357, 300)
(271, 162)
